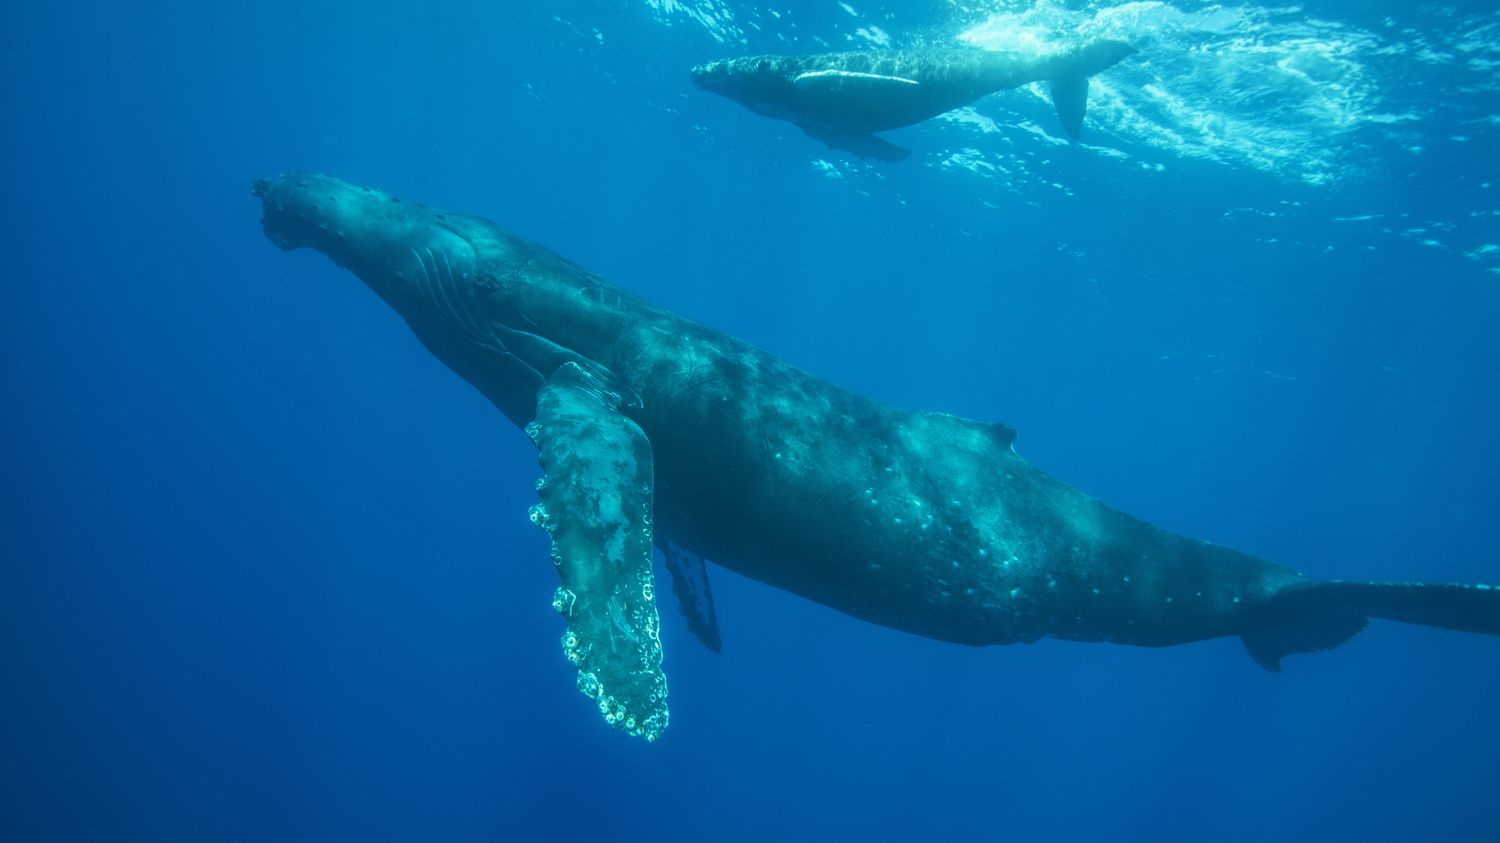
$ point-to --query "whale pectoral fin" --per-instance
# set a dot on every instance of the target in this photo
(1070, 94)
(832, 80)
(690, 584)
(864, 145)
(596, 493)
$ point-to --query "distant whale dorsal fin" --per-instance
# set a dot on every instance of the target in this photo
(832, 77)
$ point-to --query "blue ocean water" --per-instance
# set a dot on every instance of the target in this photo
(267, 569)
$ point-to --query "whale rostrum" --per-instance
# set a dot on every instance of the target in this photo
(655, 430)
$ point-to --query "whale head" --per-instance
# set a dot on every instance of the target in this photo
(437, 269)
(713, 76)
(418, 258)
(760, 83)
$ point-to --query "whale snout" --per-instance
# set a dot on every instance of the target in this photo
(413, 255)
(712, 76)
(284, 216)
(313, 210)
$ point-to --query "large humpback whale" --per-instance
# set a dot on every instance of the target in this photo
(842, 99)
(654, 429)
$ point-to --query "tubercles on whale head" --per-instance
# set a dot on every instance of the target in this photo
(312, 210)
(738, 78)
(710, 76)
(410, 255)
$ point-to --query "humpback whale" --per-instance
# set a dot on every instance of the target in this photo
(842, 99)
(653, 429)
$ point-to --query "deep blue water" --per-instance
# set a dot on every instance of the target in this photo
(267, 572)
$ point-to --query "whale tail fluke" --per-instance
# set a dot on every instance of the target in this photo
(1468, 608)
(1326, 614)
(1070, 95)
(1070, 88)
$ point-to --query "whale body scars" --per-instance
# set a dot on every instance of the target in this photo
(844, 98)
(655, 430)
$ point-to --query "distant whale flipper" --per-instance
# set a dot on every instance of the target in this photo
(822, 79)
(863, 144)
(855, 85)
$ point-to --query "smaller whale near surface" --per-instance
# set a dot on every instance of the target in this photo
(653, 429)
(843, 99)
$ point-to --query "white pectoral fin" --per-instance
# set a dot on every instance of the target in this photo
(596, 493)
(835, 79)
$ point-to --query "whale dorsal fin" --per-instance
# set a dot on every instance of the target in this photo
(1002, 433)
(942, 426)
(596, 492)
(831, 78)
(694, 598)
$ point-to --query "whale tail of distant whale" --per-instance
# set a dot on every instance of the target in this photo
(1323, 615)
(1070, 88)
